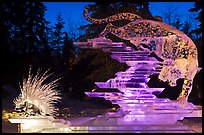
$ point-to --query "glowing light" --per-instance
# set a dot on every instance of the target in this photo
(6, 115)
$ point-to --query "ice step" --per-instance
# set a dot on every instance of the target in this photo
(115, 80)
(131, 128)
(119, 96)
(141, 101)
(133, 59)
(135, 63)
(130, 56)
(120, 85)
(131, 75)
(131, 97)
(130, 53)
(139, 90)
(137, 73)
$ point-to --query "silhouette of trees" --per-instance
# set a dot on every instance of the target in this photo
(189, 24)
(23, 26)
(28, 39)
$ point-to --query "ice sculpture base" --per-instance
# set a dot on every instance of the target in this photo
(39, 124)
(99, 124)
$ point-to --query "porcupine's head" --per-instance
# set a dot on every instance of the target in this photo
(38, 96)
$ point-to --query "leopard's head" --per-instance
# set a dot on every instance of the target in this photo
(170, 74)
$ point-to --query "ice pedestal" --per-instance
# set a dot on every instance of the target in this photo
(39, 124)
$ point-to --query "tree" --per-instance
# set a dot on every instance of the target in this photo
(186, 28)
(22, 26)
(24, 21)
(68, 51)
(198, 9)
(74, 30)
(57, 34)
(196, 95)
(177, 24)
(170, 15)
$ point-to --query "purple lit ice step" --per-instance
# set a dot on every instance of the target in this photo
(152, 119)
(103, 45)
(130, 97)
(116, 80)
(136, 58)
(103, 94)
(124, 59)
(158, 107)
(130, 75)
(119, 96)
(119, 77)
(143, 67)
(110, 49)
(139, 71)
(139, 101)
(141, 90)
(136, 53)
(135, 63)
(119, 84)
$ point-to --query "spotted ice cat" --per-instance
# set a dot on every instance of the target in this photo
(176, 49)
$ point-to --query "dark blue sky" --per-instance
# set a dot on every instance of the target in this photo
(74, 10)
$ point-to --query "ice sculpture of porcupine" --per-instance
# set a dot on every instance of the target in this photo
(38, 97)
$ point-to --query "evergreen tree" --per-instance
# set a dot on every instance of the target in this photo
(22, 26)
(177, 24)
(186, 28)
(57, 34)
(197, 8)
(170, 15)
(196, 94)
(68, 51)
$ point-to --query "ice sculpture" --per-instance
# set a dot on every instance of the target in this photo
(138, 104)
(37, 103)
(140, 110)
(38, 97)
(176, 49)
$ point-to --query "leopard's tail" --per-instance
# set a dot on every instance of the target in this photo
(120, 16)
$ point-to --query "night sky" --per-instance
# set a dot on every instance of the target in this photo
(74, 10)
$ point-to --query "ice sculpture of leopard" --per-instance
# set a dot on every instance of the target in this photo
(176, 49)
